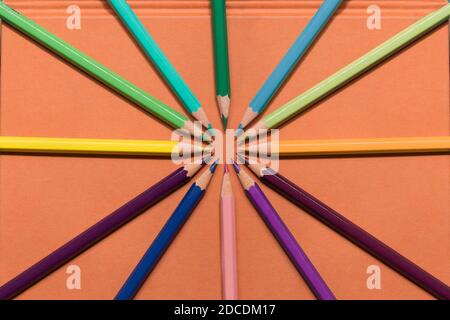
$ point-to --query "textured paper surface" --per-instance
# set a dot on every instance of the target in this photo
(45, 201)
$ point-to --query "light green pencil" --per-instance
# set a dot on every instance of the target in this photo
(98, 71)
(160, 60)
(350, 72)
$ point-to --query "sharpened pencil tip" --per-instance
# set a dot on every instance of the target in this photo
(239, 131)
(206, 159)
(213, 167)
(211, 131)
(206, 137)
(224, 121)
(236, 167)
(242, 158)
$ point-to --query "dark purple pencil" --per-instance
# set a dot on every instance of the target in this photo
(351, 231)
(98, 231)
(284, 237)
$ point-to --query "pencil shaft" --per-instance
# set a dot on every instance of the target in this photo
(228, 248)
(155, 54)
(92, 67)
(220, 38)
(166, 235)
(289, 244)
(95, 233)
(357, 146)
(354, 233)
(356, 68)
(93, 146)
(160, 244)
(294, 54)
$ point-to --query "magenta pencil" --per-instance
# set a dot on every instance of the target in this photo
(228, 239)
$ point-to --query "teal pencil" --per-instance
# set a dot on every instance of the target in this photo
(160, 60)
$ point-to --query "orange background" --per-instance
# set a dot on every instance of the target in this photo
(46, 201)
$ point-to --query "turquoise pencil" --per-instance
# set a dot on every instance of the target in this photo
(295, 53)
(160, 60)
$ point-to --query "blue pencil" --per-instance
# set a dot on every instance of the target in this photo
(160, 60)
(289, 61)
(166, 236)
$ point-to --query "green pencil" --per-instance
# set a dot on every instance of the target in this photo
(97, 70)
(219, 22)
(351, 71)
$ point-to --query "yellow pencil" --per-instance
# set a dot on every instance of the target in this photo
(96, 146)
(352, 146)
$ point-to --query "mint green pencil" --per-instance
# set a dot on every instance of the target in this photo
(160, 60)
(351, 71)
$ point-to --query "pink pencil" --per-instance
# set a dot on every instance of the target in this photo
(228, 239)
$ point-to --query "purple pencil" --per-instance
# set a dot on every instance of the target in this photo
(287, 241)
(350, 231)
(98, 231)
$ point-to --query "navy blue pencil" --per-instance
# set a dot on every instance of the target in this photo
(165, 237)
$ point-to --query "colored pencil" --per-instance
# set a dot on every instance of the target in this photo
(166, 236)
(98, 146)
(349, 230)
(287, 241)
(160, 60)
(353, 146)
(351, 71)
(228, 239)
(221, 63)
(98, 71)
(98, 231)
(295, 53)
